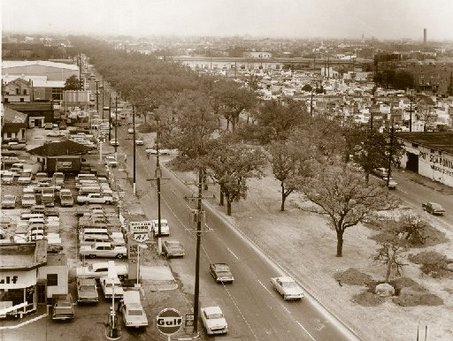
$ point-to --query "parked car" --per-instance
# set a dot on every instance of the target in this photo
(94, 198)
(63, 308)
(87, 291)
(100, 269)
(164, 228)
(58, 178)
(139, 142)
(111, 287)
(433, 208)
(130, 130)
(66, 198)
(9, 201)
(287, 287)
(103, 249)
(380, 172)
(221, 272)
(28, 200)
(7, 178)
(392, 183)
(132, 310)
(172, 248)
(25, 178)
(213, 320)
(153, 151)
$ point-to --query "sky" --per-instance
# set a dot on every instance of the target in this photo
(349, 19)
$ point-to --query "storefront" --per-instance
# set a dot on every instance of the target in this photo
(17, 292)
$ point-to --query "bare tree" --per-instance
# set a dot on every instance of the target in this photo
(344, 196)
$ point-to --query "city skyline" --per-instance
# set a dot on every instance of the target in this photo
(347, 19)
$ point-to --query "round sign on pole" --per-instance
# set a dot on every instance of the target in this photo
(169, 321)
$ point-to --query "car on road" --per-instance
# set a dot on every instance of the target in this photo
(114, 142)
(103, 249)
(110, 161)
(173, 248)
(221, 272)
(164, 228)
(9, 201)
(132, 310)
(287, 287)
(130, 130)
(63, 308)
(87, 291)
(391, 184)
(139, 142)
(433, 208)
(213, 320)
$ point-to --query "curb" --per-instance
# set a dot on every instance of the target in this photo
(24, 323)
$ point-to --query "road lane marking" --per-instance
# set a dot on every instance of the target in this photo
(305, 330)
(234, 255)
(268, 291)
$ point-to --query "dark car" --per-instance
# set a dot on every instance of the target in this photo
(221, 272)
(433, 208)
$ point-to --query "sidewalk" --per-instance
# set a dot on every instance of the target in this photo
(424, 181)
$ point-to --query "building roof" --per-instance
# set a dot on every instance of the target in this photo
(37, 81)
(13, 116)
(6, 64)
(439, 141)
(65, 147)
(31, 106)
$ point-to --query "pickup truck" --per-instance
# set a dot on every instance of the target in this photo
(101, 249)
(94, 198)
(132, 311)
(63, 308)
(100, 269)
(48, 197)
(87, 291)
(111, 287)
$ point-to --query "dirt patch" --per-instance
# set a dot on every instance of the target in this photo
(410, 297)
(353, 277)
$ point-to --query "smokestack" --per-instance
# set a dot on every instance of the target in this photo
(425, 36)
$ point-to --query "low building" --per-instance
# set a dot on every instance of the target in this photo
(14, 125)
(429, 154)
(38, 112)
(29, 276)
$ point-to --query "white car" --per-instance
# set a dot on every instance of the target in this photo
(139, 142)
(25, 178)
(111, 161)
(164, 228)
(132, 311)
(130, 130)
(287, 287)
(214, 320)
(111, 287)
(28, 200)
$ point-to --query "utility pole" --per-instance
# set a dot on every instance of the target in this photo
(110, 118)
(103, 100)
(134, 176)
(97, 96)
(115, 145)
(197, 258)
(390, 152)
(158, 177)
(311, 103)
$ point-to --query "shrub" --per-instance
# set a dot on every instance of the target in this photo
(367, 299)
(353, 277)
(432, 263)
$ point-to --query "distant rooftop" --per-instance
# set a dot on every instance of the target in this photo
(18, 63)
(439, 141)
(23, 256)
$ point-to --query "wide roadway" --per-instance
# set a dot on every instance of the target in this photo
(253, 309)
